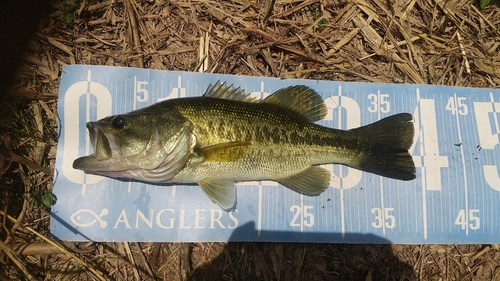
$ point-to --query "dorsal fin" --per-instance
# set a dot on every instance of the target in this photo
(301, 100)
(222, 91)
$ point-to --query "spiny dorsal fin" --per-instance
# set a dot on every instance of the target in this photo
(312, 181)
(222, 91)
(301, 100)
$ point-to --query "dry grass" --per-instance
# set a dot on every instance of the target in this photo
(420, 41)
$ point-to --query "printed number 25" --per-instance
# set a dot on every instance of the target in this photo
(302, 216)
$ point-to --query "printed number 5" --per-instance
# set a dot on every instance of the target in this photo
(390, 220)
(140, 88)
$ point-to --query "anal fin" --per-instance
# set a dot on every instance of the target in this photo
(221, 191)
(312, 181)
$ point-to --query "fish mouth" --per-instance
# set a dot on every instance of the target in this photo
(105, 146)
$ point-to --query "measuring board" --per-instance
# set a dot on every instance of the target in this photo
(454, 199)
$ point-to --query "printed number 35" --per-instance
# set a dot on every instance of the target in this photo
(379, 102)
(380, 217)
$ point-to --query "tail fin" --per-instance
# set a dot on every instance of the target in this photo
(387, 153)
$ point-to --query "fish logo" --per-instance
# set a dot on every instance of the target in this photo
(87, 217)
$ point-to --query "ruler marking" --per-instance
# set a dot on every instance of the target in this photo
(382, 203)
(276, 194)
(342, 211)
(495, 117)
(414, 191)
(480, 179)
(341, 179)
(408, 215)
(286, 214)
(464, 169)
(449, 198)
(423, 170)
(358, 194)
(454, 195)
(301, 213)
(87, 109)
(472, 200)
(259, 210)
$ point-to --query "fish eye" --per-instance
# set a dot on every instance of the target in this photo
(119, 122)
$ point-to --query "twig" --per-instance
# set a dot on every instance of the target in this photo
(54, 42)
(87, 266)
(42, 248)
(4, 223)
(131, 260)
(62, 249)
(492, 25)
(19, 159)
(462, 50)
(480, 253)
(135, 31)
(283, 44)
(269, 11)
(375, 42)
(20, 217)
(294, 9)
(146, 264)
(389, 47)
(203, 52)
(344, 40)
(16, 259)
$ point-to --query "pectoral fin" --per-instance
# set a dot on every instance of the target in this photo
(312, 181)
(225, 152)
(222, 192)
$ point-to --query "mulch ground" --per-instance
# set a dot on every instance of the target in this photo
(451, 43)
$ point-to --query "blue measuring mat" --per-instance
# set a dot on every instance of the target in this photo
(454, 199)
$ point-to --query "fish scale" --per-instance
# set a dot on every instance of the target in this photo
(225, 121)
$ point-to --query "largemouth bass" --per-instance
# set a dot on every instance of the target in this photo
(227, 136)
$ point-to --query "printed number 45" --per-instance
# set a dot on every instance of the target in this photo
(457, 104)
(473, 220)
